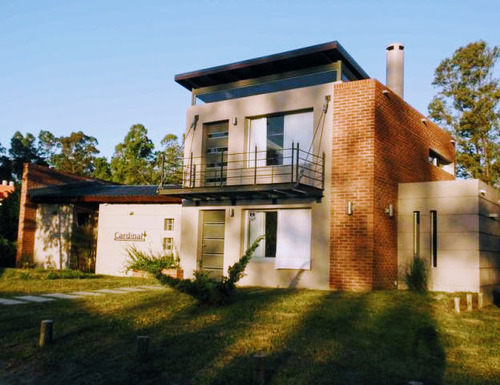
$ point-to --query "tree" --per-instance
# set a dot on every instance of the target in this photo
(5, 165)
(169, 160)
(134, 159)
(75, 153)
(102, 169)
(467, 106)
(23, 149)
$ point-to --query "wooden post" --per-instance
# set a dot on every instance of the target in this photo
(457, 304)
(480, 300)
(142, 348)
(469, 302)
(45, 332)
(260, 373)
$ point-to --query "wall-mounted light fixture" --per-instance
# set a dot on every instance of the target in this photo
(493, 216)
(385, 92)
(235, 121)
(131, 213)
(482, 192)
(424, 121)
(350, 208)
(231, 213)
(390, 210)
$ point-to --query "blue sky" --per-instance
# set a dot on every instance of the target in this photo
(102, 66)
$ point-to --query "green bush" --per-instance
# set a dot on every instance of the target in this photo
(417, 275)
(210, 291)
(150, 261)
(7, 252)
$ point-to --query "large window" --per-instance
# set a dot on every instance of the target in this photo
(287, 236)
(273, 136)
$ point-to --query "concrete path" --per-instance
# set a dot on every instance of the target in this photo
(23, 299)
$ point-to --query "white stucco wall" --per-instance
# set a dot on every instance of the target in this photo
(468, 249)
(261, 271)
(54, 224)
(117, 221)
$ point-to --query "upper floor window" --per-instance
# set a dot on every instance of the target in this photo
(271, 137)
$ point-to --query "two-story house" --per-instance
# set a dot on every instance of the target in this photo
(304, 148)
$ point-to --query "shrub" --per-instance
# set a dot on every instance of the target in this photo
(7, 253)
(210, 291)
(417, 275)
(150, 261)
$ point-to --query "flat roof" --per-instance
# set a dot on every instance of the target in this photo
(295, 60)
(99, 193)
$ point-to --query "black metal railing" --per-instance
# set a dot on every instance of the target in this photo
(272, 166)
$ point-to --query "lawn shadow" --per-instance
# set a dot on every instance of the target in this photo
(347, 338)
(351, 339)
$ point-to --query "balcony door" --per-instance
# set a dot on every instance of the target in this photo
(215, 138)
(212, 243)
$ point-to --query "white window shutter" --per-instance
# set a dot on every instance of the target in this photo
(298, 129)
(257, 137)
(293, 246)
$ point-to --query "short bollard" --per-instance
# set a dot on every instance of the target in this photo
(45, 332)
(480, 300)
(469, 302)
(260, 373)
(457, 304)
(142, 348)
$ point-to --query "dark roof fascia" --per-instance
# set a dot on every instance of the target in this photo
(95, 192)
(201, 78)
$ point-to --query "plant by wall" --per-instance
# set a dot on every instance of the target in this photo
(150, 261)
(416, 276)
(210, 291)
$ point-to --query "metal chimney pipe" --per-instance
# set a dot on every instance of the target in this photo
(395, 67)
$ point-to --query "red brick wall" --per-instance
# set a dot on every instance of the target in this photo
(352, 180)
(35, 176)
(378, 141)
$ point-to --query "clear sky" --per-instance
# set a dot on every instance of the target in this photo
(101, 66)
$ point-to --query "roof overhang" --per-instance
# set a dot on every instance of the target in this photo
(290, 61)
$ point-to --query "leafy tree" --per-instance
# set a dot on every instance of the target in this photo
(9, 212)
(169, 160)
(102, 169)
(467, 106)
(5, 165)
(134, 159)
(75, 153)
(23, 149)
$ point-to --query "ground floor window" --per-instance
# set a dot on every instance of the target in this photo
(168, 244)
(287, 236)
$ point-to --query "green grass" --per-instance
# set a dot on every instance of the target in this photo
(308, 337)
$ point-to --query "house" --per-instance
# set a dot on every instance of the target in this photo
(6, 189)
(70, 221)
(304, 148)
(346, 181)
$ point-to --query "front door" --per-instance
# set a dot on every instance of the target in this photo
(212, 244)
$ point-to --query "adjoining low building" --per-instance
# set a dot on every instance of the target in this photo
(68, 221)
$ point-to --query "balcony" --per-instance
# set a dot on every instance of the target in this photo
(271, 174)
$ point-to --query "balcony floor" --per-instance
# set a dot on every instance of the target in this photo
(245, 192)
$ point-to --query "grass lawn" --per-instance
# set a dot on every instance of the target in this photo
(308, 337)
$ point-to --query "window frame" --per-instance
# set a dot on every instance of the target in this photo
(168, 224)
